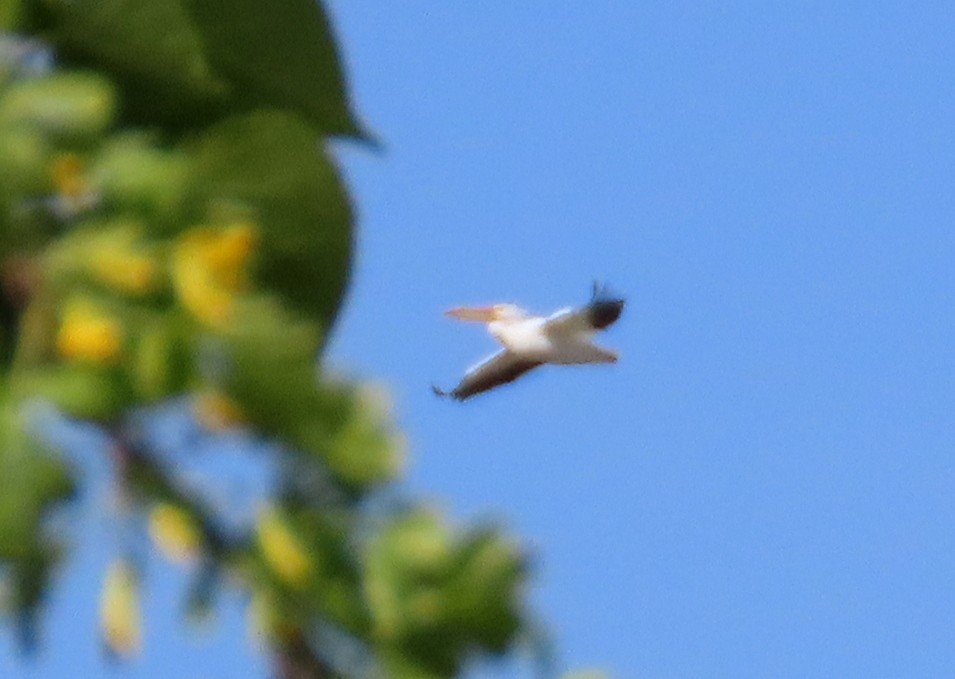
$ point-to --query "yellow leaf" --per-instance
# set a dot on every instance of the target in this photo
(174, 533)
(120, 616)
(282, 549)
(260, 619)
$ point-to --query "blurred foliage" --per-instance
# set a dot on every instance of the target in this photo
(173, 229)
(187, 62)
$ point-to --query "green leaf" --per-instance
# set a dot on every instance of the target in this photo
(80, 391)
(33, 481)
(278, 54)
(151, 47)
(483, 591)
(274, 164)
(162, 363)
(400, 666)
(335, 589)
(188, 61)
(405, 568)
(10, 12)
(435, 597)
(269, 358)
(359, 448)
(27, 581)
(76, 106)
(418, 543)
(132, 172)
(24, 162)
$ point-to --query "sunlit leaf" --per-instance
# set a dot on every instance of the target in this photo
(434, 595)
(282, 549)
(260, 618)
(73, 106)
(131, 172)
(174, 532)
(120, 614)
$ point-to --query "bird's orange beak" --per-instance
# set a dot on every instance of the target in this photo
(481, 314)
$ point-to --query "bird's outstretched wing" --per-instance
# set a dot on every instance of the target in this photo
(501, 368)
(601, 312)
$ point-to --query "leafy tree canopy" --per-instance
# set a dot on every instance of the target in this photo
(172, 227)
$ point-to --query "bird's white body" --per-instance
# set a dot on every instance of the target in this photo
(548, 340)
(563, 338)
(521, 335)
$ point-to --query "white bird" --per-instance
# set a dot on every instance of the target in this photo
(563, 338)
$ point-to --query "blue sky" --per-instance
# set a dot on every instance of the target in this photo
(765, 485)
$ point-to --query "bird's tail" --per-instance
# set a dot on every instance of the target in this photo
(438, 391)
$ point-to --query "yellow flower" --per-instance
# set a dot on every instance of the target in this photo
(282, 550)
(217, 412)
(174, 532)
(120, 616)
(89, 334)
(209, 269)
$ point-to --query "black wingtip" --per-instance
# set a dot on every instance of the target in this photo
(605, 312)
(605, 308)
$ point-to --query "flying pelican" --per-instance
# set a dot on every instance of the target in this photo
(563, 338)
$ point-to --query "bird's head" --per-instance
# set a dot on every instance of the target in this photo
(487, 314)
